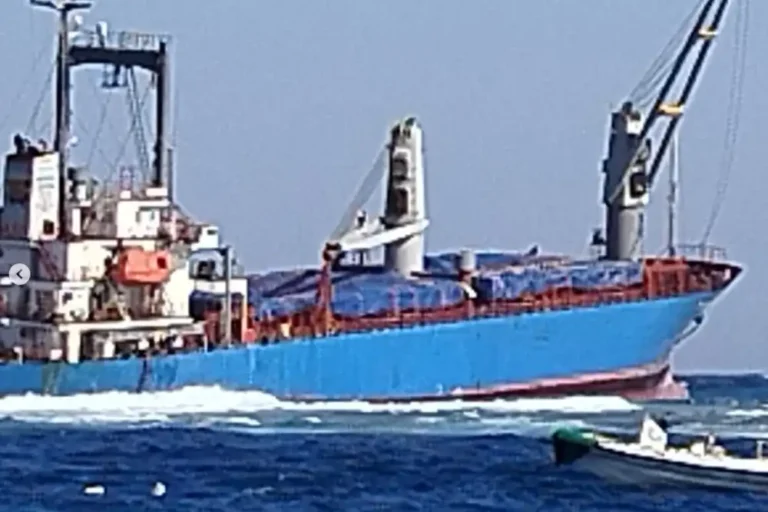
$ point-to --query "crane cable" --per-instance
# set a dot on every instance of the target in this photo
(663, 59)
(620, 185)
(649, 85)
(732, 115)
(372, 179)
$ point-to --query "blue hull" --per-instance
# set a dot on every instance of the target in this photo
(423, 361)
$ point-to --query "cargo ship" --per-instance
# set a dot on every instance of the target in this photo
(117, 288)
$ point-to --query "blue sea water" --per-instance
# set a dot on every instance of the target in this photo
(215, 450)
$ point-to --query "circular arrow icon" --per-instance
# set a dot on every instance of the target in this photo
(19, 274)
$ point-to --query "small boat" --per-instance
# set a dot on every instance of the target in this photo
(651, 461)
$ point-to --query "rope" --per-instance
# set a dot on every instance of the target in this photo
(732, 117)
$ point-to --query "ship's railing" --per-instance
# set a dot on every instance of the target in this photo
(663, 277)
(123, 39)
(701, 251)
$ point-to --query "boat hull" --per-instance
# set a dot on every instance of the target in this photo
(620, 348)
(572, 447)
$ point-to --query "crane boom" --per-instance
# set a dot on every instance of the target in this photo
(628, 177)
(708, 35)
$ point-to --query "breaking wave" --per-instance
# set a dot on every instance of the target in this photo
(259, 413)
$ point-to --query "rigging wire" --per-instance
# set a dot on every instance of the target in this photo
(147, 124)
(617, 190)
(655, 75)
(23, 87)
(136, 112)
(372, 179)
(733, 115)
(124, 144)
(32, 121)
(116, 162)
(99, 128)
(699, 9)
(134, 126)
(645, 100)
(679, 59)
(98, 148)
(98, 92)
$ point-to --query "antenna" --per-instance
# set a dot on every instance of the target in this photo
(101, 33)
(77, 22)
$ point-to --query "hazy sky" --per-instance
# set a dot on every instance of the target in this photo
(282, 106)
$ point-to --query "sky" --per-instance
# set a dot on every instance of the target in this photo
(281, 107)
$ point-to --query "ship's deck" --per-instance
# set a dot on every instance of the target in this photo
(657, 278)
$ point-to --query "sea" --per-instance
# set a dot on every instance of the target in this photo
(207, 449)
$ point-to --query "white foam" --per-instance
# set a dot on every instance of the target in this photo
(115, 407)
(748, 413)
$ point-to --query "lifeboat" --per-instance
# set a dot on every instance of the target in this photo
(135, 266)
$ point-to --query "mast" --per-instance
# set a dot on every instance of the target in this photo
(62, 92)
(145, 51)
(674, 170)
(226, 252)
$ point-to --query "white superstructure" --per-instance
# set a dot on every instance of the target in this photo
(122, 274)
(111, 268)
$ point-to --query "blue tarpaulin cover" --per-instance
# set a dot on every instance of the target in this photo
(356, 292)
(511, 283)
(361, 291)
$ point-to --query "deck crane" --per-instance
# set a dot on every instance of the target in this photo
(628, 176)
(401, 229)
